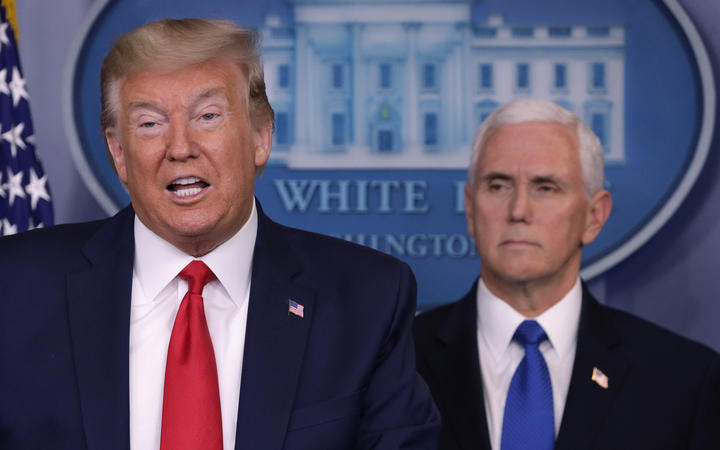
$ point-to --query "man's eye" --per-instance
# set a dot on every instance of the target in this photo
(148, 124)
(208, 116)
(496, 187)
(547, 188)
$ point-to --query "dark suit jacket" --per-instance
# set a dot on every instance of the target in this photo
(664, 390)
(341, 377)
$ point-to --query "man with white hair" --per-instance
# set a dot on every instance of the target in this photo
(528, 359)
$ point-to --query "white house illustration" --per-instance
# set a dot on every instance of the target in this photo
(405, 83)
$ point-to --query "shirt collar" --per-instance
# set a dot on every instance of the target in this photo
(158, 262)
(497, 321)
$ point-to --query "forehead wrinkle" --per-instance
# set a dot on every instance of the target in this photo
(545, 179)
(144, 104)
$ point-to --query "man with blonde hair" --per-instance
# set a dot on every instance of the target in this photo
(190, 320)
(528, 359)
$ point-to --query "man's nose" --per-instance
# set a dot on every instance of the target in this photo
(180, 145)
(520, 206)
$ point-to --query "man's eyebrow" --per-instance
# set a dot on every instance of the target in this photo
(559, 183)
(539, 179)
(214, 91)
(493, 176)
(549, 179)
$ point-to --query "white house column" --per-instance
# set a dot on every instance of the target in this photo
(458, 115)
(359, 91)
(467, 86)
(302, 105)
(317, 120)
(410, 117)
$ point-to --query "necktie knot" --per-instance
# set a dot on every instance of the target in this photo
(529, 332)
(197, 274)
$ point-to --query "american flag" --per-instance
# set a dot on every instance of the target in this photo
(600, 378)
(24, 194)
(296, 308)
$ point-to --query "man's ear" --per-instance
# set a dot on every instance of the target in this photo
(263, 143)
(598, 213)
(117, 153)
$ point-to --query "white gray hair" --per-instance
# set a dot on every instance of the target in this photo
(535, 110)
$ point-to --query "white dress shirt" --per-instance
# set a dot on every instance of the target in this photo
(156, 295)
(500, 355)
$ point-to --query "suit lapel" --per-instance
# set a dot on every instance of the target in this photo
(457, 366)
(99, 318)
(587, 402)
(274, 341)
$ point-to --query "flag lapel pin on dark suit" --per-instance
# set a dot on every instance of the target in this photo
(600, 378)
(295, 308)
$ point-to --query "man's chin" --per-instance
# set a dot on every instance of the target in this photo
(192, 236)
(192, 223)
(521, 274)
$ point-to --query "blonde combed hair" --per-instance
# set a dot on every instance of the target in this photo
(172, 44)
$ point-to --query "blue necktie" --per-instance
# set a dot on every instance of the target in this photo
(528, 422)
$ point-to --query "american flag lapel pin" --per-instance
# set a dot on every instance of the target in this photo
(600, 378)
(295, 308)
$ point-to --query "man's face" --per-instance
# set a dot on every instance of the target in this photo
(528, 211)
(185, 148)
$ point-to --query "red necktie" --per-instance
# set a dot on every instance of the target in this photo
(191, 418)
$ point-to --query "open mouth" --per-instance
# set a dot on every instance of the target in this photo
(187, 186)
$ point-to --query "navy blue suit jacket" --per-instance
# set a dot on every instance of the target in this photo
(341, 377)
(663, 393)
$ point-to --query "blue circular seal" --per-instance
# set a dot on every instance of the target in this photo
(377, 103)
